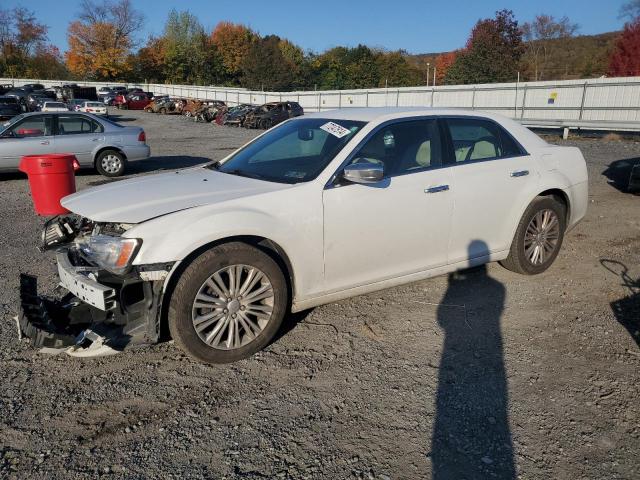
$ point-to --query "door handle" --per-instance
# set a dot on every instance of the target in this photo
(439, 188)
(95, 139)
(44, 142)
(520, 173)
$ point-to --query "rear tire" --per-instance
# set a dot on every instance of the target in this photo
(538, 238)
(110, 163)
(235, 327)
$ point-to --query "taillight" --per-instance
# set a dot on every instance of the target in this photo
(90, 110)
(142, 137)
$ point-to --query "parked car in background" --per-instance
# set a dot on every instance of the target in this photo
(5, 87)
(35, 101)
(32, 87)
(109, 99)
(74, 105)
(54, 107)
(270, 114)
(318, 209)
(133, 101)
(235, 116)
(95, 141)
(102, 91)
(9, 107)
(96, 108)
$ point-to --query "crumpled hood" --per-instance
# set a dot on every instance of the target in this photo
(143, 198)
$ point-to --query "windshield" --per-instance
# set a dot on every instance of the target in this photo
(55, 105)
(297, 151)
(15, 119)
(95, 104)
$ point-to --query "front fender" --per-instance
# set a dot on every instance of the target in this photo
(173, 237)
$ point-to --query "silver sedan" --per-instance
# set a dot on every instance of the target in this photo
(96, 142)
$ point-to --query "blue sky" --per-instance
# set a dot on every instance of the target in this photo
(414, 25)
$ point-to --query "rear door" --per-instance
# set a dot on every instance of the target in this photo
(31, 136)
(79, 135)
(494, 179)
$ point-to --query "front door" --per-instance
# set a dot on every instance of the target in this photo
(30, 136)
(397, 226)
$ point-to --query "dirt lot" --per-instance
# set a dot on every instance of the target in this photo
(485, 374)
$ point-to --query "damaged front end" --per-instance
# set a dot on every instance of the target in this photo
(106, 303)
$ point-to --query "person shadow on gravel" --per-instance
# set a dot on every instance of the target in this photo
(471, 436)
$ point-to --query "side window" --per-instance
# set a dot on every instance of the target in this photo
(74, 125)
(475, 139)
(37, 126)
(403, 147)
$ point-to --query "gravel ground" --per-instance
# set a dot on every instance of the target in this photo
(484, 374)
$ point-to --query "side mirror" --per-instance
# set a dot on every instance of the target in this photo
(363, 172)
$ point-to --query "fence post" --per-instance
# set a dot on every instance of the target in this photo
(367, 99)
(524, 101)
(584, 95)
(473, 98)
(433, 94)
(340, 99)
(397, 97)
(319, 102)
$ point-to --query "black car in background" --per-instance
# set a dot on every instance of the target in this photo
(9, 107)
(270, 114)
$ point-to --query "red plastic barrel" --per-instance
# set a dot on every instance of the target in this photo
(51, 177)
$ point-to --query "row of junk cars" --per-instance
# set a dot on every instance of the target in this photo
(34, 97)
(215, 111)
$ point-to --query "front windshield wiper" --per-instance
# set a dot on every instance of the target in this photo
(242, 173)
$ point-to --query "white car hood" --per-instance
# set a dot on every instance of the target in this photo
(143, 198)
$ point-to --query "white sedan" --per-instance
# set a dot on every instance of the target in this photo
(96, 108)
(318, 209)
(54, 107)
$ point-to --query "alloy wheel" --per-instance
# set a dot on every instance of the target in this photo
(232, 307)
(541, 237)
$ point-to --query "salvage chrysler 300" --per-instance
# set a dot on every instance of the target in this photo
(318, 209)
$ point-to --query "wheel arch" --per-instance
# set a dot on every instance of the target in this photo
(560, 195)
(266, 245)
(104, 149)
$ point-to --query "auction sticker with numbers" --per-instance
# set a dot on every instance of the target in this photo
(335, 129)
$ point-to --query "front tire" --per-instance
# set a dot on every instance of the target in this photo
(538, 237)
(228, 304)
(110, 163)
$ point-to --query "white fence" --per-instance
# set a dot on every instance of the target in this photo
(593, 100)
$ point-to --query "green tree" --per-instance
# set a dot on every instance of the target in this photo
(492, 53)
(265, 66)
(190, 55)
(395, 71)
(539, 36)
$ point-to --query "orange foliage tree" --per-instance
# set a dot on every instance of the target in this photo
(443, 63)
(233, 42)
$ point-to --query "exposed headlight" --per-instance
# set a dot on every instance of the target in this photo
(111, 253)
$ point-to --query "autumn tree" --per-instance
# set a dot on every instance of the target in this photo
(233, 43)
(539, 36)
(101, 39)
(625, 58)
(443, 64)
(24, 50)
(492, 53)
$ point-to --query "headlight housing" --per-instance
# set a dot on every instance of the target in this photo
(111, 253)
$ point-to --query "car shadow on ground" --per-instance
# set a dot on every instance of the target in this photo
(618, 173)
(471, 435)
(627, 308)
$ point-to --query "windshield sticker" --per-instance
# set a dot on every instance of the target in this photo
(335, 129)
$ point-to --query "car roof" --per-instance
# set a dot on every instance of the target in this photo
(381, 114)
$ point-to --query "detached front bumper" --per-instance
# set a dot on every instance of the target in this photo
(123, 310)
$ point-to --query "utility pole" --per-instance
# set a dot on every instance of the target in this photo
(434, 76)
(428, 73)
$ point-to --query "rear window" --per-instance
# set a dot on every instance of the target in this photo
(111, 122)
(55, 105)
(8, 100)
(95, 104)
